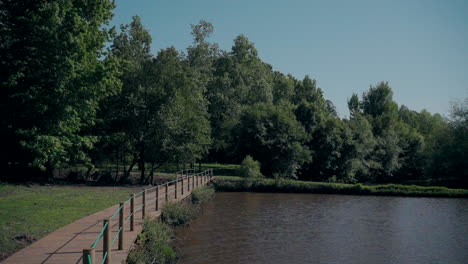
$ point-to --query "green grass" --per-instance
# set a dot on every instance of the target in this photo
(178, 213)
(272, 185)
(153, 245)
(202, 194)
(33, 212)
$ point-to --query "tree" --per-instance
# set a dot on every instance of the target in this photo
(250, 168)
(240, 79)
(53, 77)
(354, 106)
(272, 136)
(359, 162)
(448, 160)
(283, 87)
(162, 110)
(126, 113)
(308, 91)
(325, 140)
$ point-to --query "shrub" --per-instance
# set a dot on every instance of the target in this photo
(202, 194)
(178, 213)
(250, 168)
(153, 245)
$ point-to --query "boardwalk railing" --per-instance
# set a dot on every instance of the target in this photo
(194, 180)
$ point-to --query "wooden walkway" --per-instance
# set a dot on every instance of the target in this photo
(66, 244)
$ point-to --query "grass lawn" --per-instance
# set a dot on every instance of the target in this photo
(30, 213)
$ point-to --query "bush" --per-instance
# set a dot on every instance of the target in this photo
(153, 245)
(250, 168)
(178, 213)
(202, 194)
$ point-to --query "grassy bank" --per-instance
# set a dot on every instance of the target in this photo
(155, 243)
(202, 194)
(237, 184)
(30, 213)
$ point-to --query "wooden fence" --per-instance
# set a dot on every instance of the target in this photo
(161, 197)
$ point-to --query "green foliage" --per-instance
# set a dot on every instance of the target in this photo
(178, 213)
(53, 77)
(65, 100)
(161, 114)
(273, 137)
(250, 168)
(354, 105)
(202, 194)
(153, 245)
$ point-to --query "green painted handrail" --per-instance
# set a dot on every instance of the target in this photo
(116, 212)
(104, 258)
(100, 235)
(190, 173)
(116, 236)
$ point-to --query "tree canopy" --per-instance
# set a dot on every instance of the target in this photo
(76, 92)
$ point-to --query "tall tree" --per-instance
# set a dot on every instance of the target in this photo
(240, 79)
(53, 77)
(162, 109)
(283, 88)
(125, 113)
(272, 136)
(354, 106)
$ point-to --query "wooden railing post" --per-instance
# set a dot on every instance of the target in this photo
(143, 202)
(175, 189)
(121, 226)
(167, 190)
(188, 182)
(107, 241)
(91, 252)
(182, 186)
(132, 212)
(157, 197)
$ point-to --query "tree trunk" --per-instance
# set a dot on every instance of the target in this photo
(49, 172)
(151, 175)
(127, 173)
(124, 163)
(117, 165)
(142, 166)
(88, 172)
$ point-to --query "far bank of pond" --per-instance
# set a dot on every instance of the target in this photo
(238, 184)
(243, 227)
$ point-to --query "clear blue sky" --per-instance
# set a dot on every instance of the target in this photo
(419, 46)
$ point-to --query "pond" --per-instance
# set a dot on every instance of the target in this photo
(313, 228)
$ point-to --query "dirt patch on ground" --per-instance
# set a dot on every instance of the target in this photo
(25, 238)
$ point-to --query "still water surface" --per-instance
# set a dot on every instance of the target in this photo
(311, 228)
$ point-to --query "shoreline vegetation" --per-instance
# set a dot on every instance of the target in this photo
(239, 184)
(155, 243)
